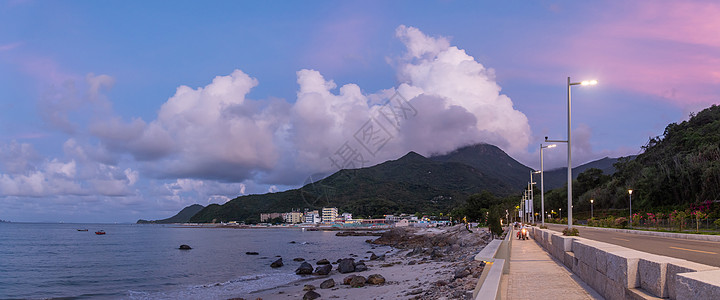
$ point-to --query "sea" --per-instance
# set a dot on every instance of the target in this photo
(143, 261)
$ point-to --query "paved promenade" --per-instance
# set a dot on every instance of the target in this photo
(535, 275)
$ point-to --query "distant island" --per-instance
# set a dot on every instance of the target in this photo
(182, 217)
(3, 221)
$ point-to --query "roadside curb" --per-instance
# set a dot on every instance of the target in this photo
(685, 236)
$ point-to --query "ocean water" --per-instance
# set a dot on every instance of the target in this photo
(41, 261)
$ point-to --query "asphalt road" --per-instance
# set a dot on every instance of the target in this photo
(704, 252)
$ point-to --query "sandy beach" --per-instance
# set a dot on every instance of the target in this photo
(427, 263)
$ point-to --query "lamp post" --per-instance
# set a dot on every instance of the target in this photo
(542, 177)
(532, 195)
(569, 146)
(630, 193)
(560, 212)
(591, 208)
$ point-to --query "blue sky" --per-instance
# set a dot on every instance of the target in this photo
(118, 110)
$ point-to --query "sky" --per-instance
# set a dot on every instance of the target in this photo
(114, 111)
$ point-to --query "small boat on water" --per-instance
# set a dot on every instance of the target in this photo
(82, 230)
(100, 232)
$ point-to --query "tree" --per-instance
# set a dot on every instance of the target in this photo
(494, 221)
(476, 205)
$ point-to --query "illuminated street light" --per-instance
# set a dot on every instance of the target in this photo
(542, 180)
(591, 208)
(532, 195)
(569, 145)
(630, 193)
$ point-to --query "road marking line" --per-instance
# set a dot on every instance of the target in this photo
(621, 239)
(708, 252)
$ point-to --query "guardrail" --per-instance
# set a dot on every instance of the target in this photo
(496, 256)
(617, 272)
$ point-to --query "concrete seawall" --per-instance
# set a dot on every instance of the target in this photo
(617, 272)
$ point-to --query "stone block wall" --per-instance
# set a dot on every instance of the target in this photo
(617, 272)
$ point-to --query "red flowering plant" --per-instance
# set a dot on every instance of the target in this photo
(658, 219)
(699, 215)
(651, 220)
(636, 218)
(677, 218)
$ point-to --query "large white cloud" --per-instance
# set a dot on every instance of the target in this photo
(437, 69)
(212, 143)
(215, 132)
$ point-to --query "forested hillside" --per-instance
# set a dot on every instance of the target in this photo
(676, 169)
(410, 184)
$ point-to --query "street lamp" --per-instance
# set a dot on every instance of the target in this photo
(591, 208)
(569, 147)
(560, 212)
(630, 193)
(542, 182)
(532, 194)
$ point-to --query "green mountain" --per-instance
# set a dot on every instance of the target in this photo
(677, 169)
(410, 184)
(557, 178)
(492, 161)
(182, 217)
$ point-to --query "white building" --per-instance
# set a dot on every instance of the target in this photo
(329, 214)
(347, 216)
(293, 217)
(312, 217)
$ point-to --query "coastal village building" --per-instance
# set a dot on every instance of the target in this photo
(269, 216)
(312, 217)
(347, 217)
(329, 214)
(293, 217)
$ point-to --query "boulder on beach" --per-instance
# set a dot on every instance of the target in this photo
(435, 254)
(278, 263)
(298, 259)
(346, 265)
(354, 281)
(359, 267)
(184, 247)
(310, 295)
(415, 251)
(327, 284)
(373, 256)
(304, 269)
(462, 272)
(252, 253)
(308, 287)
(376, 279)
(323, 262)
(323, 269)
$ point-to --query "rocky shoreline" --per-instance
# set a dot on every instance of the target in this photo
(424, 263)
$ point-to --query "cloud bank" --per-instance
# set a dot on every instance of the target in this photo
(209, 144)
(215, 132)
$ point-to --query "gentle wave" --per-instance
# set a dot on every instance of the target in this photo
(221, 290)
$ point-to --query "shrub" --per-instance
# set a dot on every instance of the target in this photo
(608, 222)
(621, 222)
(677, 218)
(699, 215)
(572, 232)
(545, 227)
